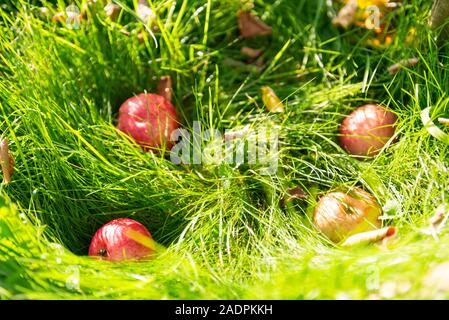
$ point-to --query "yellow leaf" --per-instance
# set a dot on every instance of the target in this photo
(368, 3)
(141, 239)
(368, 237)
(271, 100)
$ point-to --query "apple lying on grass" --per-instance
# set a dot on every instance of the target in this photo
(366, 130)
(339, 214)
(149, 119)
(122, 239)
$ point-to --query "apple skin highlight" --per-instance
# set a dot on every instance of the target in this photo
(366, 130)
(149, 119)
(111, 242)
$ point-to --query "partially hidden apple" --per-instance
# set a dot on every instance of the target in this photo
(116, 241)
(341, 214)
(149, 119)
(366, 130)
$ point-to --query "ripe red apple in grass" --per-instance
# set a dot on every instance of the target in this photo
(116, 241)
(366, 130)
(149, 119)
(342, 214)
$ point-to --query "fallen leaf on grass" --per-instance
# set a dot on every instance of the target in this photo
(6, 161)
(141, 239)
(407, 63)
(140, 35)
(125, 32)
(369, 237)
(252, 53)
(292, 194)
(437, 222)
(59, 17)
(271, 100)
(67, 16)
(296, 193)
(346, 16)
(91, 6)
(438, 18)
(440, 217)
(165, 87)
(73, 14)
(112, 10)
(260, 63)
(251, 26)
(145, 13)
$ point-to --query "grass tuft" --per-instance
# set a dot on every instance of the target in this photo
(222, 229)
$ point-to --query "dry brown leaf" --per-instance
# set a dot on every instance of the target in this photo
(369, 237)
(112, 11)
(125, 32)
(145, 13)
(59, 17)
(6, 161)
(438, 18)
(252, 53)
(271, 100)
(292, 194)
(140, 35)
(76, 14)
(296, 193)
(346, 16)
(69, 16)
(251, 26)
(165, 87)
(439, 219)
(259, 63)
(91, 6)
(407, 63)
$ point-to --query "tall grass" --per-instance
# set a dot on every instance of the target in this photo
(224, 231)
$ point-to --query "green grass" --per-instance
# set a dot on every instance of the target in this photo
(223, 231)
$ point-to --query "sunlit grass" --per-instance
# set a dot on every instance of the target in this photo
(224, 232)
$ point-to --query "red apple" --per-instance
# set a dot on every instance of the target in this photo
(366, 130)
(150, 119)
(341, 214)
(114, 242)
